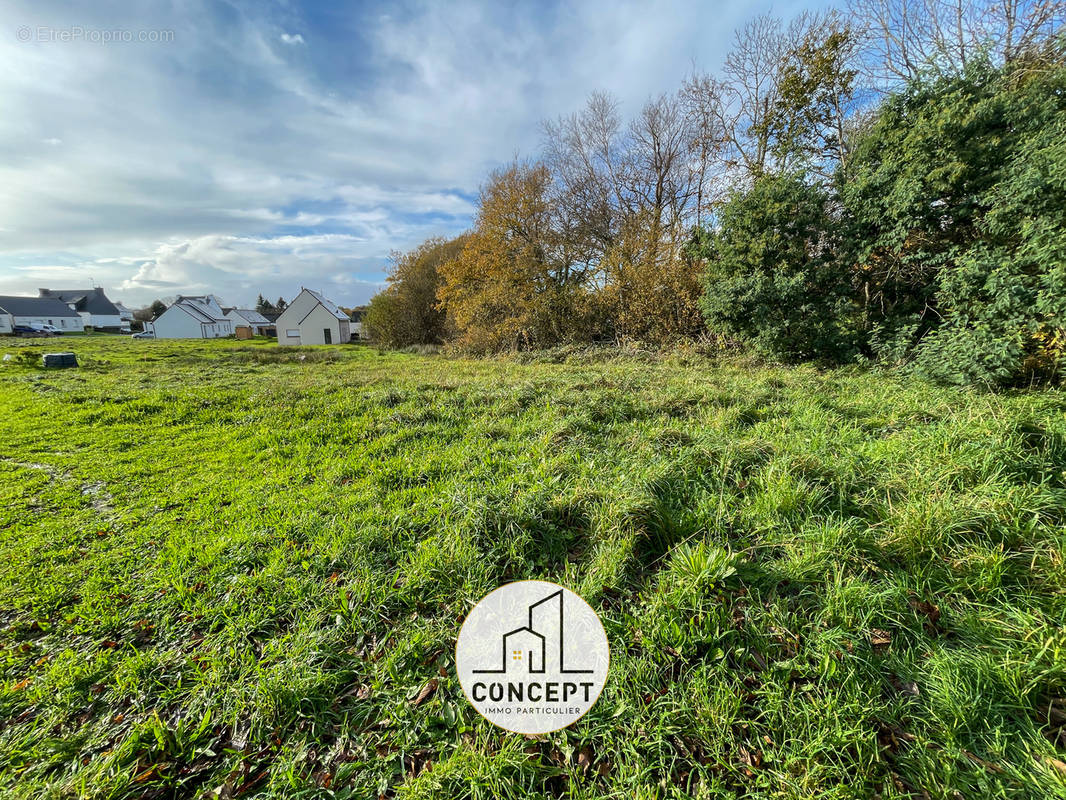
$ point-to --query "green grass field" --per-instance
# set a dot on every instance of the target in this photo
(237, 571)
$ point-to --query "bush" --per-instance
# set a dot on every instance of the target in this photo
(773, 279)
(957, 201)
(407, 312)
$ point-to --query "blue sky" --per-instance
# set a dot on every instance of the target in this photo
(259, 147)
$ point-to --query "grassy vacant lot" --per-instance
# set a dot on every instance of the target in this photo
(233, 569)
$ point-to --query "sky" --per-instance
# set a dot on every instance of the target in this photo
(239, 148)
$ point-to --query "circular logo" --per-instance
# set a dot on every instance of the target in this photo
(532, 657)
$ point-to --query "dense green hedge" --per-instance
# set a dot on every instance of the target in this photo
(942, 245)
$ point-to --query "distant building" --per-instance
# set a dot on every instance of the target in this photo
(257, 324)
(312, 319)
(198, 317)
(356, 318)
(124, 314)
(39, 311)
(92, 305)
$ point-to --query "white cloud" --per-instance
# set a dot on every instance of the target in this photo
(227, 153)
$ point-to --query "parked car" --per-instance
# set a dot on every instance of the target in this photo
(143, 335)
(32, 330)
(47, 330)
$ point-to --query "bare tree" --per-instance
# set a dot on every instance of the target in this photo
(753, 114)
(658, 176)
(585, 154)
(751, 70)
(701, 96)
(907, 37)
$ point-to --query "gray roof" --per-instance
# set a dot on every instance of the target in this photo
(250, 314)
(193, 312)
(329, 306)
(35, 307)
(93, 301)
(202, 305)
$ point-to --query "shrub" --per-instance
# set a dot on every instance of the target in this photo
(773, 279)
(957, 203)
(406, 312)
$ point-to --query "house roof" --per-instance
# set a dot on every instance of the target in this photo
(249, 314)
(36, 307)
(328, 305)
(204, 305)
(92, 301)
(192, 311)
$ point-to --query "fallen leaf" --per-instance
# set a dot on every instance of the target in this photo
(148, 774)
(427, 691)
(931, 613)
(986, 764)
(584, 758)
(18, 687)
(1054, 763)
(904, 687)
(880, 638)
(250, 784)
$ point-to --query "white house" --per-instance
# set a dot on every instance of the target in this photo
(7, 322)
(124, 314)
(198, 317)
(92, 305)
(312, 319)
(248, 318)
(40, 311)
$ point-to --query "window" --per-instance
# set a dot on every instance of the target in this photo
(62, 323)
(293, 333)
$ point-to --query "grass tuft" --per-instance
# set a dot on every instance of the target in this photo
(236, 570)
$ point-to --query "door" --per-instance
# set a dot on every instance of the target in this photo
(327, 334)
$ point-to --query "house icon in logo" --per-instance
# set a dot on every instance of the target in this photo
(538, 647)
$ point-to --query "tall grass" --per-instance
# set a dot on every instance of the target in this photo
(227, 570)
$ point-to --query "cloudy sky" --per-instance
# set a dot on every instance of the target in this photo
(245, 147)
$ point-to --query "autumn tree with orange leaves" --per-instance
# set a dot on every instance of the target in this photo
(514, 284)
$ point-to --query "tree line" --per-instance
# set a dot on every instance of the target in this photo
(887, 185)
